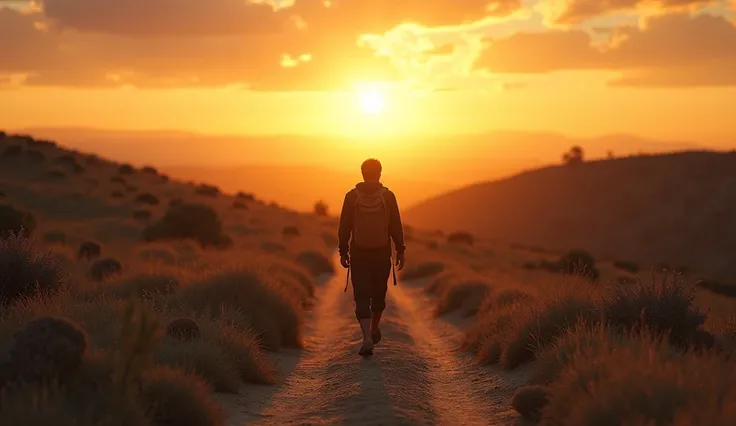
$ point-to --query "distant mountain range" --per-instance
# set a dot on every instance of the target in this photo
(295, 171)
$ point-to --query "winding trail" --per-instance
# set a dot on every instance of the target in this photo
(414, 377)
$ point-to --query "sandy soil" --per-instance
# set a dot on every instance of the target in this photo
(414, 377)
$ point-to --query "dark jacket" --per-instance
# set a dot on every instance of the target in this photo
(395, 229)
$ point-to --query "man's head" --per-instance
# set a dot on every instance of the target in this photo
(371, 169)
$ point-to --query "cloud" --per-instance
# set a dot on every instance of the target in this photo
(576, 11)
(665, 50)
(161, 43)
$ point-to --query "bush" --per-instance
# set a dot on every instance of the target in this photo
(131, 188)
(175, 398)
(146, 198)
(118, 179)
(183, 328)
(321, 209)
(24, 273)
(203, 358)
(316, 262)
(89, 250)
(126, 169)
(423, 270)
(664, 307)
(142, 214)
(627, 266)
(189, 221)
(240, 205)
(48, 348)
(291, 231)
(642, 384)
(103, 269)
(55, 237)
(117, 194)
(56, 174)
(461, 238)
(270, 307)
(579, 262)
(244, 196)
(35, 156)
(149, 170)
(78, 169)
(207, 190)
(529, 401)
(12, 151)
(12, 220)
(175, 202)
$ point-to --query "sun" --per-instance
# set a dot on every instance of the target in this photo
(371, 102)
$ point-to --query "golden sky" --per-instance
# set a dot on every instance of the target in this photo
(657, 68)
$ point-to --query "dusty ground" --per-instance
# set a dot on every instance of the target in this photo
(414, 377)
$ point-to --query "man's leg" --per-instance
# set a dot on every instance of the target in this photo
(379, 286)
(361, 276)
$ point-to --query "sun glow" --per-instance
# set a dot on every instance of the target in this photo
(371, 102)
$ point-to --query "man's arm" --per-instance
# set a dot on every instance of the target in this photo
(396, 229)
(346, 225)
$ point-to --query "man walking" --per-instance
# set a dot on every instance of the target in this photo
(369, 220)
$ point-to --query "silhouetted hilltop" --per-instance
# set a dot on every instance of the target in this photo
(677, 208)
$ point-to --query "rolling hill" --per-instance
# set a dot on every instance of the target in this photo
(674, 208)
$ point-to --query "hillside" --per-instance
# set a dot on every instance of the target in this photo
(138, 299)
(675, 208)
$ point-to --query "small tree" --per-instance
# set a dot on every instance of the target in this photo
(321, 208)
(574, 156)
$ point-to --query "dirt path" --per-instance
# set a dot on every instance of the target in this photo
(414, 376)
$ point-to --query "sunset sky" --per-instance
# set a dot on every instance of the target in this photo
(661, 69)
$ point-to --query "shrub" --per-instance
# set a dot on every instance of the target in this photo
(12, 151)
(271, 308)
(103, 269)
(146, 198)
(131, 188)
(48, 348)
(579, 262)
(126, 169)
(240, 205)
(12, 220)
(291, 231)
(664, 307)
(207, 190)
(161, 254)
(455, 296)
(55, 237)
(316, 262)
(189, 221)
(461, 238)
(149, 170)
(118, 179)
(176, 202)
(244, 196)
(321, 209)
(35, 156)
(175, 398)
(529, 401)
(69, 159)
(24, 273)
(183, 328)
(243, 348)
(89, 250)
(78, 169)
(649, 384)
(117, 194)
(142, 214)
(203, 358)
(627, 266)
(423, 270)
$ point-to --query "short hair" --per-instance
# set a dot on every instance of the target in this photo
(371, 169)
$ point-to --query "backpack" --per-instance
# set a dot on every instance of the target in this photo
(370, 229)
